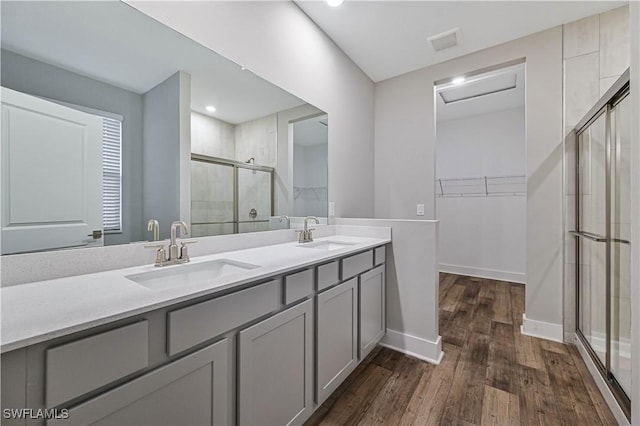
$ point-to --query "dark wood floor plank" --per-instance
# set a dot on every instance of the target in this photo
(467, 387)
(355, 402)
(606, 416)
(537, 401)
(482, 316)
(528, 349)
(450, 300)
(446, 282)
(488, 289)
(502, 358)
(499, 408)
(574, 402)
(431, 395)
(502, 303)
(393, 398)
(517, 298)
(491, 374)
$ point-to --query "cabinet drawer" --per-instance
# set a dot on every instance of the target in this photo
(328, 275)
(298, 286)
(84, 365)
(354, 265)
(195, 324)
(379, 255)
(194, 390)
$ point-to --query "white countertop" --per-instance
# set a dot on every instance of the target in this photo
(39, 311)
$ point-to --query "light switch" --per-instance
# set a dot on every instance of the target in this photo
(332, 208)
(420, 210)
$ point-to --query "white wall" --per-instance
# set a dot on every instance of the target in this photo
(634, 9)
(482, 236)
(278, 42)
(405, 156)
(490, 144)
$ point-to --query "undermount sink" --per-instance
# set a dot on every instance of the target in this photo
(190, 274)
(326, 245)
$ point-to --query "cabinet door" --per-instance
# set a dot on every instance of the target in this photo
(372, 309)
(275, 369)
(193, 390)
(337, 321)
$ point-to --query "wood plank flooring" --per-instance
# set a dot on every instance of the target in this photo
(490, 374)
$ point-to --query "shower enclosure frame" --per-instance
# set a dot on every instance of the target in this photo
(238, 165)
(616, 94)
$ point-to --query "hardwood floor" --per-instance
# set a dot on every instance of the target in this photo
(490, 374)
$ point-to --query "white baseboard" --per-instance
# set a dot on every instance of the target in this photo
(417, 347)
(602, 386)
(514, 277)
(541, 329)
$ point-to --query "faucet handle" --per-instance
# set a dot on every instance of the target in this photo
(160, 254)
(184, 252)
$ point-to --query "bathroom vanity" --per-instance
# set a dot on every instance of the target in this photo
(265, 338)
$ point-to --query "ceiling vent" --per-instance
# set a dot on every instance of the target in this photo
(445, 40)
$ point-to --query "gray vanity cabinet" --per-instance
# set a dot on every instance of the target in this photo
(371, 292)
(275, 368)
(193, 390)
(336, 334)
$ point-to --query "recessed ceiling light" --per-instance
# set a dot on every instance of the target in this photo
(458, 80)
(211, 108)
(334, 3)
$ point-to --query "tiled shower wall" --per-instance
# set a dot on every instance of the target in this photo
(212, 185)
(596, 53)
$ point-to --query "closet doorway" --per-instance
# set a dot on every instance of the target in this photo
(481, 173)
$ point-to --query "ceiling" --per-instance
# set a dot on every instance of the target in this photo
(492, 91)
(136, 55)
(389, 38)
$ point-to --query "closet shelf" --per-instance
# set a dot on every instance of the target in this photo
(485, 186)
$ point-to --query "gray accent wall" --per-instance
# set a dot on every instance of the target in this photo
(40, 79)
(162, 153)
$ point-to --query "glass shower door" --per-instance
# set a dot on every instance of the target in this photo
(603, 242)
(620, 223)
(212, 199)
(254, 200)
(592, 277)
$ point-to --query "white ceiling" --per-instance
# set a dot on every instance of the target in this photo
(493, 81)
(114, 43)
(388, 38)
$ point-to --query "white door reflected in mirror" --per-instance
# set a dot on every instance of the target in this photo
(51, 175)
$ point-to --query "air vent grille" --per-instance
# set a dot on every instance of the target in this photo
(445, 40)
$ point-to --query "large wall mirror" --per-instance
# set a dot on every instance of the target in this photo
(111, 119)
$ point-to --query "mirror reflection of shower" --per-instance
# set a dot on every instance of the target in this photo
(310, 143)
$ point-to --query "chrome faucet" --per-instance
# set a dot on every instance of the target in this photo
(305, 236)
(285, 217)
(175, 255)
(153, 225)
